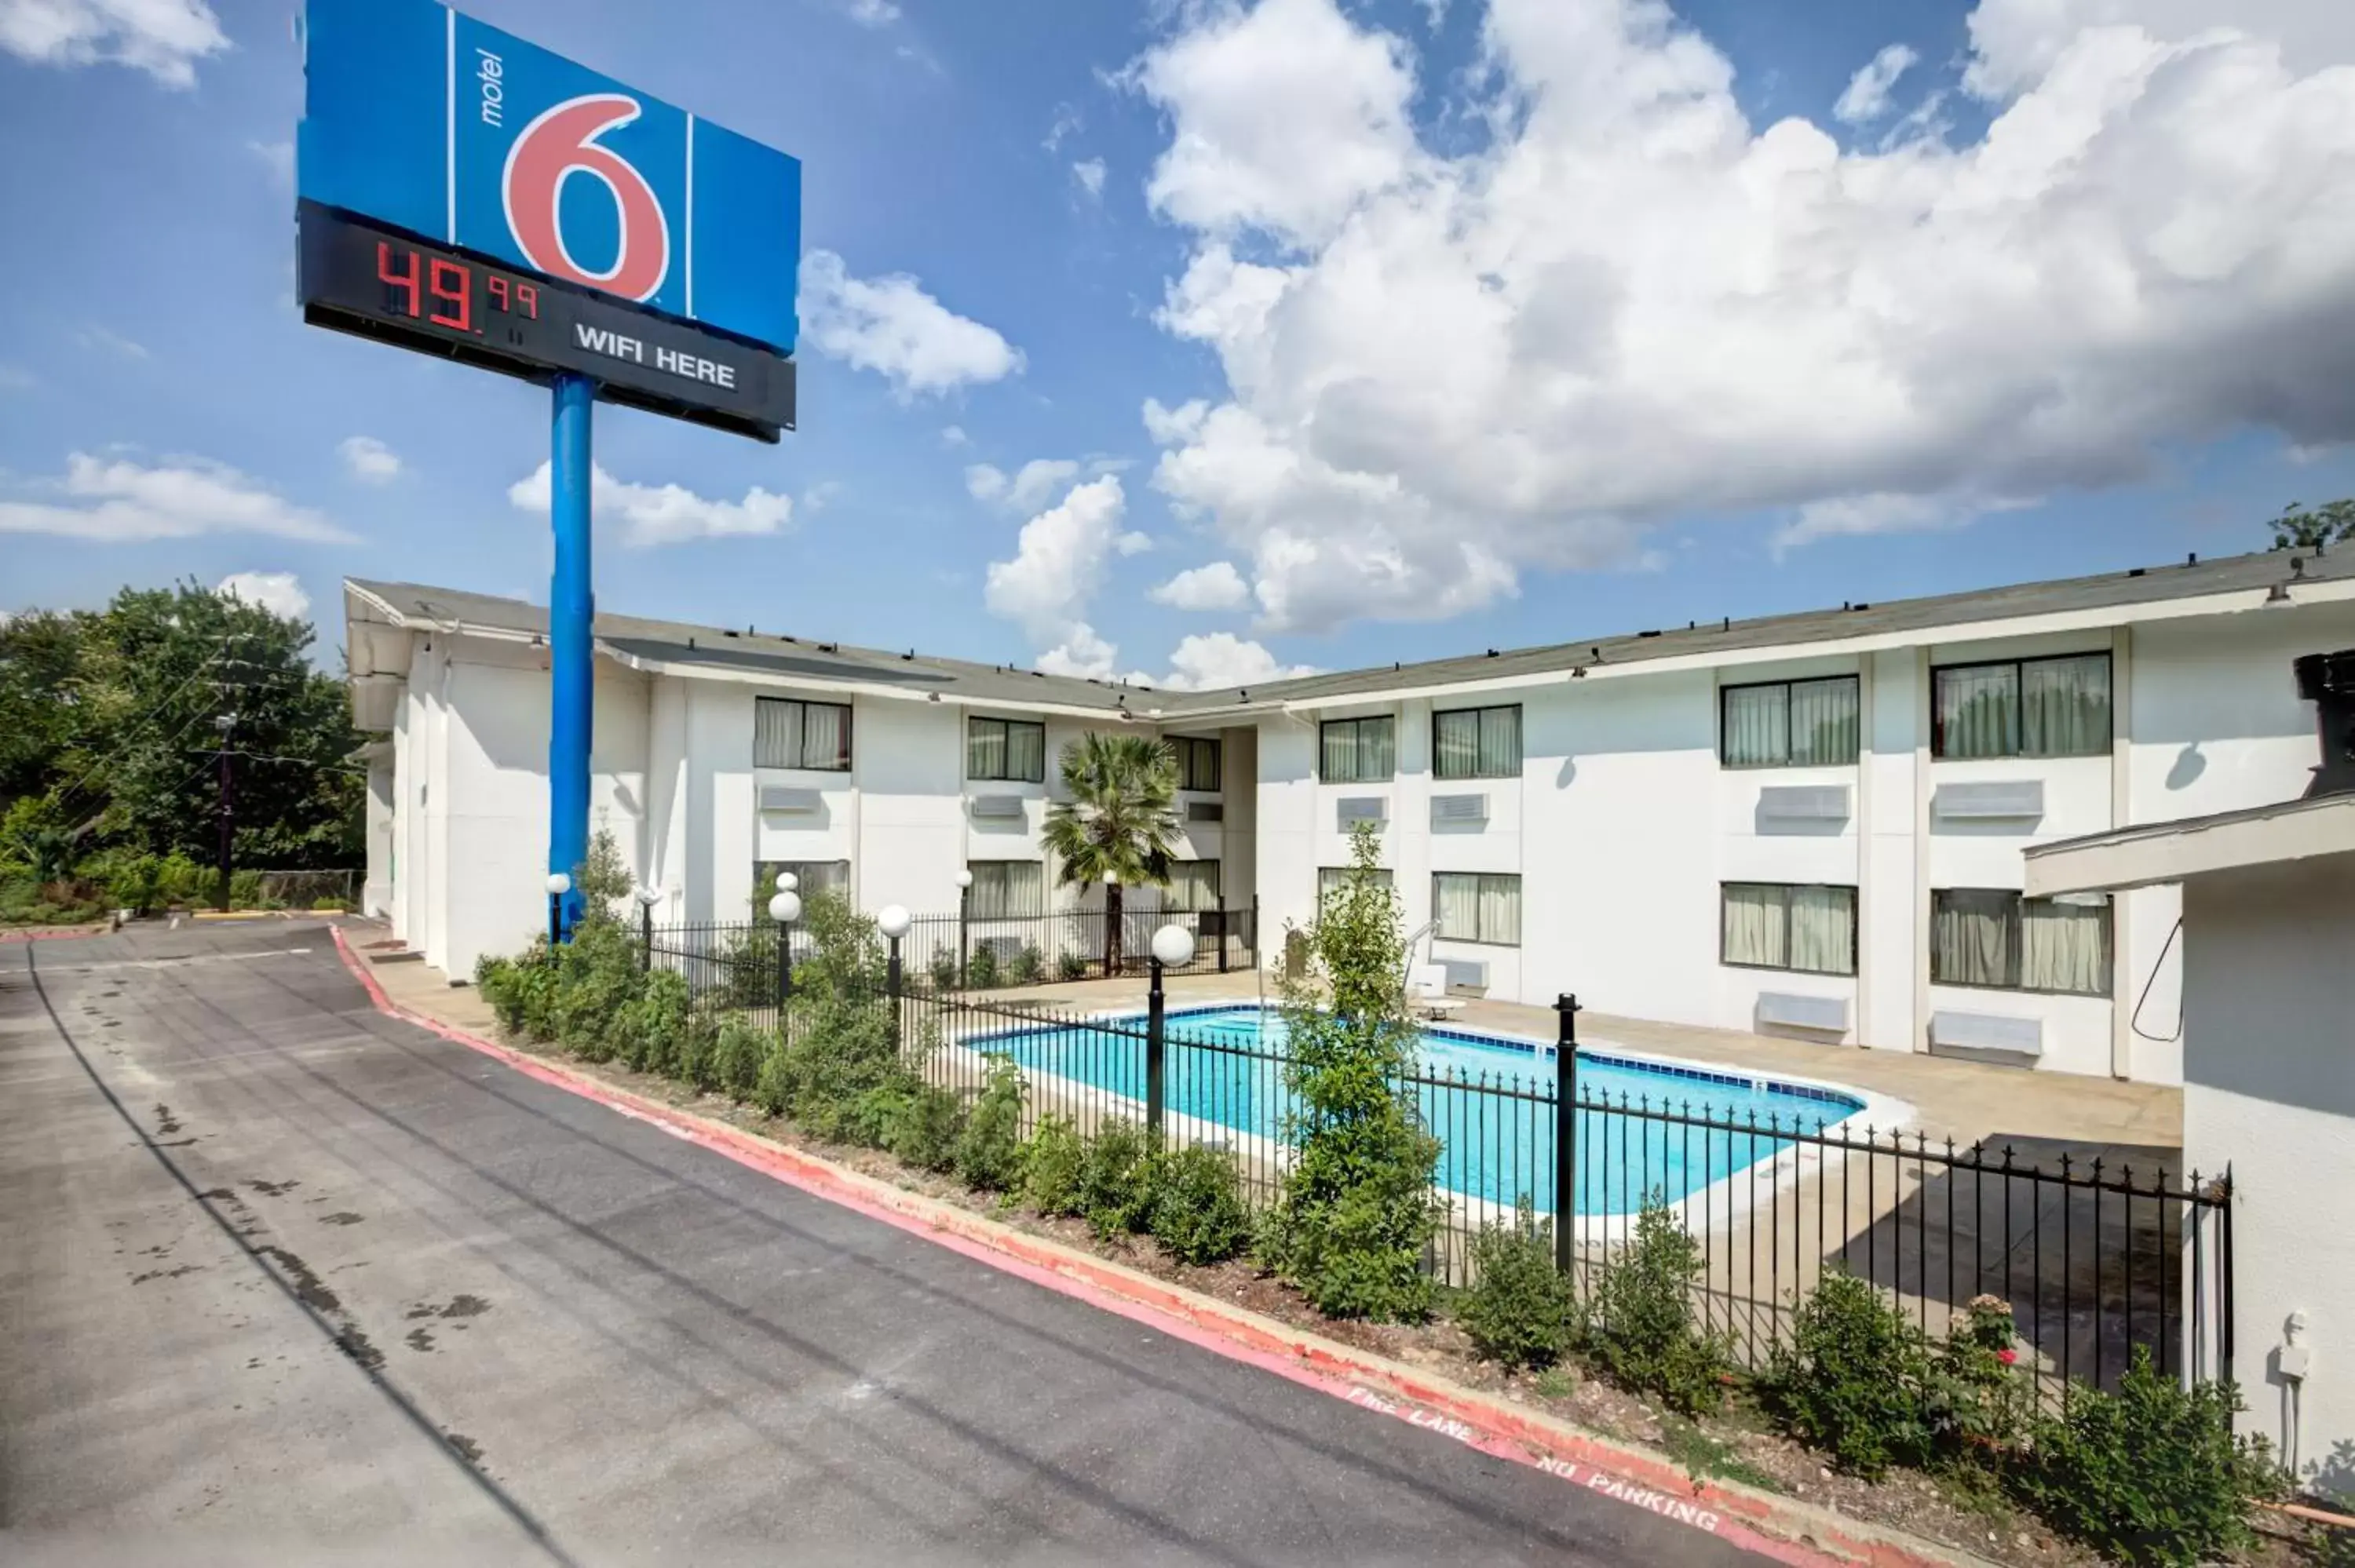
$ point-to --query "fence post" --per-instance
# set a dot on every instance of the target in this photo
(645, 937)
(1156, 1053)
(1222, 937)
(1254, 931)
(1565, 1129)
(892, 977)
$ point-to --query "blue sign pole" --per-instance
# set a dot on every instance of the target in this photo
(571, 603)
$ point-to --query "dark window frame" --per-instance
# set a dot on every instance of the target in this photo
(1325, 724)
(1723, 693)
(1520, 741)
(1046, 889)
(1520, 911)
(1855, 933)
(2019, 668)
(764, 869)
(802, 739)
(1186, 747)
(1008, 725)
(2017, 945)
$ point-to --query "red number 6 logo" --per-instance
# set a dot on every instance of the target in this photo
(558, 144)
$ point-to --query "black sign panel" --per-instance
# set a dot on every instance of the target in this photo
(379, 283)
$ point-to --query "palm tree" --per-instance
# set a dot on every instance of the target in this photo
(1117, 821)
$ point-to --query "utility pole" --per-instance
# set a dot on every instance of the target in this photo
(225, 723)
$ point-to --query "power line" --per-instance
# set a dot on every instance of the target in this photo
(67, 793)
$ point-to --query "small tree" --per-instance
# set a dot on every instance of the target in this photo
(1357, 1211)
(1118, 821)
(2300, 527)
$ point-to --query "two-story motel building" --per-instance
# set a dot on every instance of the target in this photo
(1810, 825)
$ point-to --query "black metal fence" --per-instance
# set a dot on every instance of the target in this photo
(2096, 1258)
(989, 953)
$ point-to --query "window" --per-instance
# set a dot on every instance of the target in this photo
(1477, 743)
(788, 734)
(1358, 750)
(1330, 877)
(1004, 748)
(1193, 886)
(1198, 762)
(1003, 888)
(1772, 925)
(1789, 724)
(1997, 938)
(814, 876)
(2022, 707)
(1477, 906)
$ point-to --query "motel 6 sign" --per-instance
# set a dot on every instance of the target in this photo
(466, 193)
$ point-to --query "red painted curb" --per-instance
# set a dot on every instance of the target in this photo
(1643, 1480)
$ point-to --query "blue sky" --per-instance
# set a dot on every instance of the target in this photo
(1543, 363)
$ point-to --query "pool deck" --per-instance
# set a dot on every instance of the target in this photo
(2050, 1113)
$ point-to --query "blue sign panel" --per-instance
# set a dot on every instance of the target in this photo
(428, 121)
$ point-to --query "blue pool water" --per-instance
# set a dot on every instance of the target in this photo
(1488, 1099)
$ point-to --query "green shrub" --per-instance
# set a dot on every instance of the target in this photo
(981, 968)
(1196, 1209)
(245, 891)
(1519, 1311)
(694, 1056)
(597, 974)
(521, 992)
(1640, 1323)
(1979, 1401)
(1116, 1180)
(327, 906)
(944, 969)
(652, 1038)
(2153, 1473)
(1051, 1162)
(924, 1126)
(1851, 1379)
(843, 1073)
(1356, 1212)
(1071, 966)
(737, 1055)
(1027, 967)
(989, 1150)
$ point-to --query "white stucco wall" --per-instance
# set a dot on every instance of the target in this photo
(2269, 1068)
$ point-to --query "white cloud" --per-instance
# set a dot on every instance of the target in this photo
(1216, 587)
(821, 495)
(653, 514)
(123, 502)
(1089, 173)
(955, 435)
(165, 38)
(1879, 513)
(1206, 662)
(113, 342)
(277, 157)
(280, 593)
(1630, 303)
(1066, 122)
(1059, 561)
(1866, 98)
(1082, 653)
(369, 459)
(891, 326)
(1026, 490)
(874, 13)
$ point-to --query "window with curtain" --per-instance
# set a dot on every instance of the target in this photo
(1778, 926)
(814, 876)
(1477, 743)
(789, 733)
(1358, 750)
(1004, 888)
(1790, 724)
(1330, 877)
(1006, 750)
(1193, 886)
(1198, 762)
(1996, 939)
(1477, 906)
(2022, 707)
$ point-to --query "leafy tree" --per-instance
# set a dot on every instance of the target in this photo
(2300, 527)
(111, 715)
(1118, 821)
(1357, 1211)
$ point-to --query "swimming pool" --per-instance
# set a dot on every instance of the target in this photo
(1489, 1099)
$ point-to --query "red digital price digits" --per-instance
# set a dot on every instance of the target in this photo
(450, 285)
